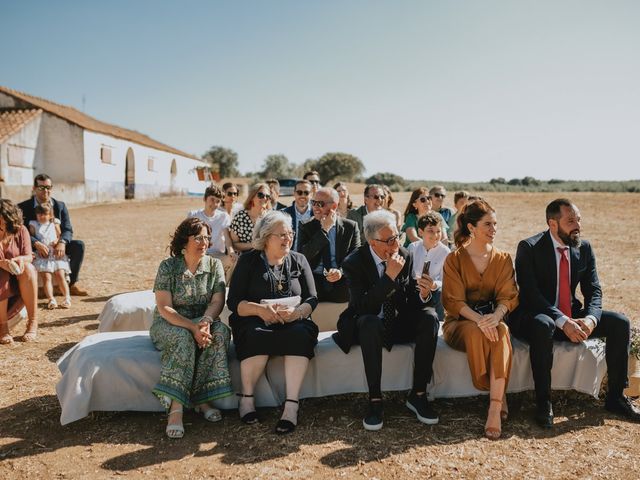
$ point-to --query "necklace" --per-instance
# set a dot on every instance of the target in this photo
(277, 275)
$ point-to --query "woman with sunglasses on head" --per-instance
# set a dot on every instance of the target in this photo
(190, 294)
(258, 202)
(344, 200)
(419, 205)
(230, 202)
(267, 319)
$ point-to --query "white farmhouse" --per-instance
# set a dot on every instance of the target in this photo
(88, 160)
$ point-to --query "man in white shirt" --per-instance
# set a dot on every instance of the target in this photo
(300, 211)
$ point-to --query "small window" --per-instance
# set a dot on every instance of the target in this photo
(151, 164)
(105, 154)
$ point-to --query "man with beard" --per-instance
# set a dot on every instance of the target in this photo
(549, 267)
(374, 198)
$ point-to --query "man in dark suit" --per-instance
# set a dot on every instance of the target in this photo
(300, 211)
(549, 267)
(42, 188)
(386, 306)
(374, 197)
(326, 240)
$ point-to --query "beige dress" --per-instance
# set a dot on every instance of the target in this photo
(463, 285)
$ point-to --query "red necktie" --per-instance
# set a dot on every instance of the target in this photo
(564, 287)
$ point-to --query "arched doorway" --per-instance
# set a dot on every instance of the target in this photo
(172, 178)
(130, 176)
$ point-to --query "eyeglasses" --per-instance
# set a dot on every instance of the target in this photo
(283, 236)
(202, 239)
(320, 203)
(232, 194)
(389, 241)
(425, 199)
(42, 188)
(262, 196)
(303, 193)
(377, 197)
(314, 182)
(439, 195)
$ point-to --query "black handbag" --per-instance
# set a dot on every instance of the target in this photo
(484, 308)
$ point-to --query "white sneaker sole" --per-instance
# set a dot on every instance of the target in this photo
(425, 420)
(372, 428)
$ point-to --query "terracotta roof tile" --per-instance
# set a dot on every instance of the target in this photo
(89, 123)
(11, 121)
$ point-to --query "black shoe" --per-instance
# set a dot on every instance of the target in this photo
(622, 406)
(544, 414)
(373, 419)
(285, 426)
(419, 405)
(251, 417)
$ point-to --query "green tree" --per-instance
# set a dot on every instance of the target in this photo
(276, 166)
(224, 160)
(337, 165)
(388, 179)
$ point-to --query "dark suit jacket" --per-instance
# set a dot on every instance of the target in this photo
(293, 213)
(313, 240)
(357, 215)
(536, 273)
(367, 292)
(59, 211)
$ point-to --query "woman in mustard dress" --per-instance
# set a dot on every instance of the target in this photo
(478, 291)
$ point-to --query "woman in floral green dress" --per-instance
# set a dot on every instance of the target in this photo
(190, 294)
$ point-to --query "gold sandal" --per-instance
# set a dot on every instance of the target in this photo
(31, 333)
(493, 433)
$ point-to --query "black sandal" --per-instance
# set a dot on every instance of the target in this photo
(285, 426)
(251, 417)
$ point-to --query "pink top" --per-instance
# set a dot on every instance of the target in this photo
(20, 244)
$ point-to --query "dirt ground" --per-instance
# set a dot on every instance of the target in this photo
(124, 245)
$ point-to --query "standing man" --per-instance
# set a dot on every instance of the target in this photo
(374, 198)
(274, 187)
(388, 306)
(300, 211)
(326, 241)
(549, 267)
(42, 188)
(313, 178)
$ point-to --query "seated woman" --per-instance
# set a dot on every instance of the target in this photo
(230, 202)
(478, 291)
(18, 278)
(190, 293)
(257, 204)
(272, 271)
(419, 204)
(344, 201)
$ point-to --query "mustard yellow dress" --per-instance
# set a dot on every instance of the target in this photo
(464, 285)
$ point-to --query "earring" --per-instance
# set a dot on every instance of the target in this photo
(472, 235)
(183, 251)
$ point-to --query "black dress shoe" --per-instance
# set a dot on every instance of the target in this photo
(373, 420)
(544, 414)
(621, 405)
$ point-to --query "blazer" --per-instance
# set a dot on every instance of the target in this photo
(59, 211)
(293, 213)
(357, 215)
(536, 272)
(368, 291)
(313, 240)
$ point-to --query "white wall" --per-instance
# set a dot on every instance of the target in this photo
(106, 181)
(17, 156)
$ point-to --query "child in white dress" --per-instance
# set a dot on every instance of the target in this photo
(47, 231)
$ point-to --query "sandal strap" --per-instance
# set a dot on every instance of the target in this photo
(243, 395)
(291, 400)
(176, 410)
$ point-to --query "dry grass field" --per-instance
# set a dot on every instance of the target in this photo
(125, 243)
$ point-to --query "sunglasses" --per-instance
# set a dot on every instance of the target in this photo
(303, 193)
(389, 241)
(439, 195)
(425, 199)
(262, 196)
(42, 188)
(377, 197)
(232, 194)
(320, 203)
(341, 190)
(202, 239)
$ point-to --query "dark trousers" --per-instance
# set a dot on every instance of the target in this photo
(419, 326)
(539, 331)
(75, 250)
(337, 292)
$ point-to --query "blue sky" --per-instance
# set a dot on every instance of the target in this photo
(451, 90)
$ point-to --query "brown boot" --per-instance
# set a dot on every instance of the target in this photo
(78, 291)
